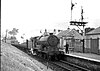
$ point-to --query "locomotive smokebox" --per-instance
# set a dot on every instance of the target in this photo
(50, 40)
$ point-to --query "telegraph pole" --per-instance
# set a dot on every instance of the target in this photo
(6, 35)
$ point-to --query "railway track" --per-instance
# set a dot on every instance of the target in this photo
(58, 65)
(69, 66)
(47, 63)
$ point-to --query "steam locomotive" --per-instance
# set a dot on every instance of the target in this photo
(47, 47)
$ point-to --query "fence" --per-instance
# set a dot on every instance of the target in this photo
(91, 45)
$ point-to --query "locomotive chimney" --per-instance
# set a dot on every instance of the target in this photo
(51, 33)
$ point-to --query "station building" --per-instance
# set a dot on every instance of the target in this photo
(73, 38)
(92, 41)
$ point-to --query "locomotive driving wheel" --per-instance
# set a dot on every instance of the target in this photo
(55, 57)
(49, 57)
(45, 56)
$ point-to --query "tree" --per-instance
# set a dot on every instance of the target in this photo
(13, 32)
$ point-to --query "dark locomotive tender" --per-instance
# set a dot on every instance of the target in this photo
(47, 46)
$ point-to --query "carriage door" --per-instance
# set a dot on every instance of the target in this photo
(94, 43)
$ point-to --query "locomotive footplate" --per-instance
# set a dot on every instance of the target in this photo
(53, 52)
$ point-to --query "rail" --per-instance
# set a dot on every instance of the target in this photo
(76, 66)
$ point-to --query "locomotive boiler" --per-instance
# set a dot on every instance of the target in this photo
(48, 47)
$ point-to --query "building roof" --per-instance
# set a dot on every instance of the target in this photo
(70, 33)
(95, 31)
(63, 33)
(76, 35)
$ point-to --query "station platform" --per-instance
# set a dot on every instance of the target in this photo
(88, 56)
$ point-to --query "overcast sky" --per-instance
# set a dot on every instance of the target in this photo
(31, 16)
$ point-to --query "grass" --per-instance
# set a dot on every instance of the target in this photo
(13, 59)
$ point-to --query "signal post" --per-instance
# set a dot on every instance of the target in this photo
(77, 23)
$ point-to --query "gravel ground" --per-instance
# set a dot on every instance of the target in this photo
(12, 59)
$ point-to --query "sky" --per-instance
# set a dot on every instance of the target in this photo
(31, 16)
